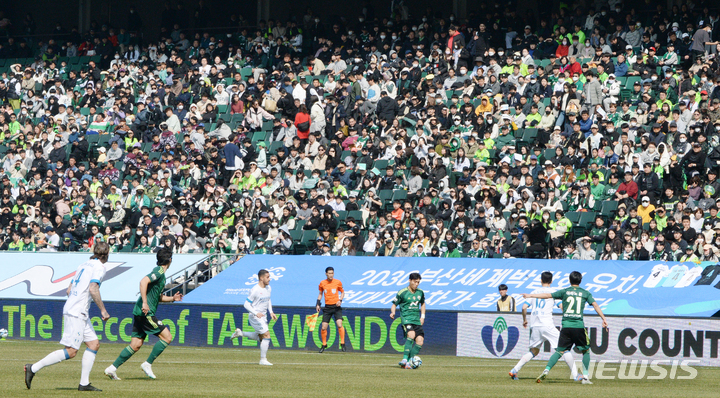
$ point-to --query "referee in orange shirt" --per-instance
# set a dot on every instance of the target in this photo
(334, 293)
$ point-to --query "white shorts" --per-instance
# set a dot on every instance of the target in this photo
(76, 331)
(259, 324)
(541, 334)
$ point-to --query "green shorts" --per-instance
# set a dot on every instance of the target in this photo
(145, 325)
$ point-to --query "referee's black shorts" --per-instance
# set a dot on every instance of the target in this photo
(330, 311)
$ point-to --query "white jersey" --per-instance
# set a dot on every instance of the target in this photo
(259, 300)
(690, 277)
(659, 272)
(676, 274)
(542, 309)
(78, 303)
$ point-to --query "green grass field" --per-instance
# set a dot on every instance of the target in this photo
(210, 372)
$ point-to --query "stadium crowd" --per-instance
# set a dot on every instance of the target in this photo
(591, 133)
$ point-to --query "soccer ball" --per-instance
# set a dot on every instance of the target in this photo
(3, 333)
(416, 362)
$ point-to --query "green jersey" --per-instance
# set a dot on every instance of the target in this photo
(154, 292)
(409, 304)
(573, 300)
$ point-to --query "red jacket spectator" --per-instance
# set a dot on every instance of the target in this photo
(630, 188)
(562, 51)
(302, 117)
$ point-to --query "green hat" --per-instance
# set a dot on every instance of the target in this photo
(262, 144)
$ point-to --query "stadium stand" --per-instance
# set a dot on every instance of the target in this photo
(593, 134)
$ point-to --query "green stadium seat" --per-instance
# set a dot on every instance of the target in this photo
(355, 214)
(381, 164)
(308, 236)
(275, 146)
(258, 136)
(296, 235)
(399, 194)
(385, 195)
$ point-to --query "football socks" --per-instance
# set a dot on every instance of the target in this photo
(88, 360)
(553, 360)
(408, 347)
(159, 347)
(51, 359)
(124, 356)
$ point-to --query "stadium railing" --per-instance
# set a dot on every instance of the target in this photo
(194, 275)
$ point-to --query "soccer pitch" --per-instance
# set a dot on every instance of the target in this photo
(229, 372)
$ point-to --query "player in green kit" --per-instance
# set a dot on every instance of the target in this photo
(411, 302)
(572, 332)
(144, 320)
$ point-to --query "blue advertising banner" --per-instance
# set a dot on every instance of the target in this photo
(464, 284)
(47, 275)
(212, 326)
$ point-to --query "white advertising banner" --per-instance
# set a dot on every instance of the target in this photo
(629, 338)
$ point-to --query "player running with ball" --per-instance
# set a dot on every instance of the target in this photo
(411, 302)
(542, 328)
(144, 320)
(573, 332)
(258, 305)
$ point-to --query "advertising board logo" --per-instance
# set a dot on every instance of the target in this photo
(39, 279)
(494, 337)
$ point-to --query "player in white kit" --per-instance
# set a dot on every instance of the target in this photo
(258, 305)
(84, 288)
(542, 328)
